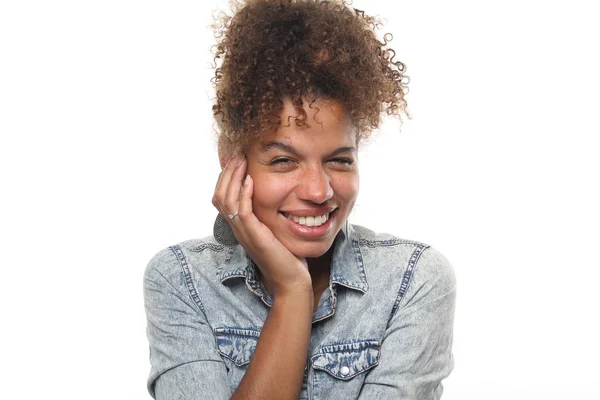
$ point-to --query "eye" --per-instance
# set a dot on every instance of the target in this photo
(280, 161)
(282, 164)
(343, 160)
(342, 163)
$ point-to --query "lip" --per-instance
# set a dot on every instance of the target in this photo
(311, 232)
(310, 212)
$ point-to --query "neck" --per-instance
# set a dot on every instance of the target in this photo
(320, 263)
(320, 268)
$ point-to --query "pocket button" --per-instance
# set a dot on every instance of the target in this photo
(344, 370)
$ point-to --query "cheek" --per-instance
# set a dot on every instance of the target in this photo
(346, 186)
(269, 193)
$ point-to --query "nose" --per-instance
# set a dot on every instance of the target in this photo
(315, 186)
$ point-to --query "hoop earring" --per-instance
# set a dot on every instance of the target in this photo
(223, 232)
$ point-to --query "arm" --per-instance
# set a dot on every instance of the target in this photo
(286, 332)
(287, 329)
(416, 352)
(184, 361)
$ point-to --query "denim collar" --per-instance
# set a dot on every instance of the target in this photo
(347, 267)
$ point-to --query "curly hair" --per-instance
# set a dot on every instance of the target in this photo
(275, 50)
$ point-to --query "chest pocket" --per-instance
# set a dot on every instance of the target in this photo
(341, 367)
(236, 346)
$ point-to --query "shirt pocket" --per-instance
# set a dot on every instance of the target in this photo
(236, 346)
(340, 368)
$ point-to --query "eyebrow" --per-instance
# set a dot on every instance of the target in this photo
(265, 147)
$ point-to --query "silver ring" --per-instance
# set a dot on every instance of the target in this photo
(232, 216)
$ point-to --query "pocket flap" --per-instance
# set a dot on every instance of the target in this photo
(237, 344)
(346, 360)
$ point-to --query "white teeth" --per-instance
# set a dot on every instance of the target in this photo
(309, 220)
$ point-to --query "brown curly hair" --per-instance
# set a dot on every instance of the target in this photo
(275, 50)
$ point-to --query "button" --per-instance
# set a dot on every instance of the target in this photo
(344, 370)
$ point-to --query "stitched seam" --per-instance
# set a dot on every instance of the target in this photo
(235, 361)
(348, 377)
(359, 258)
(236, 335)
(341, 281)
(174, 288)
(349, 347)
(407, 277)
(389, 242)
(255, 332)
(191, 362)
(234, 274)
(437, 299)
(188, 276)
(203, 246)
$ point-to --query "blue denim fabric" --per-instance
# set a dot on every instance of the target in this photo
(382, 330)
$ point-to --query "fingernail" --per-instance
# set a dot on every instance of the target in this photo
(247, 180)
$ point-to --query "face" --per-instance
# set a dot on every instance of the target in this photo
(306, 178)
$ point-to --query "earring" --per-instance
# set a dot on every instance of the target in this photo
(223, 232)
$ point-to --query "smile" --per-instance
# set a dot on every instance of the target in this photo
(317, 220)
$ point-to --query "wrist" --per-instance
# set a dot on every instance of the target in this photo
(297, 296)
(296, 289)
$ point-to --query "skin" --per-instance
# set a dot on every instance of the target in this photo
(300, 171)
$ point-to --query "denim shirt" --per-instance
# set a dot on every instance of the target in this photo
(382, 329)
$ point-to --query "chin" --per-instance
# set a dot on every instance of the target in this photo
(310, 250)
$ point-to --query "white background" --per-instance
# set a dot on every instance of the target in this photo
(107, 155)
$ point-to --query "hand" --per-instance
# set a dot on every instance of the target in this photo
(283, 271)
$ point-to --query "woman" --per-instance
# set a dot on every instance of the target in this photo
(289, 300)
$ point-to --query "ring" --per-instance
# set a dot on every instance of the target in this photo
(232, 216)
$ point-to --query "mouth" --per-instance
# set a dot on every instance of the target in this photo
(311, 227)
(309, 220)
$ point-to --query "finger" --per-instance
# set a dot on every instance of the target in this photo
(232, 198)
(223, 184)
(221, 174)
(252, 227)
(230, 159)
(246, 197)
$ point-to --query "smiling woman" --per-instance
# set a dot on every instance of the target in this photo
(322, 157)
(289, 300)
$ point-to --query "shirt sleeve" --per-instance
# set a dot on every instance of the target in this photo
(416, 352)
(184, 361)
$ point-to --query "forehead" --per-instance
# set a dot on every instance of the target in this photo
(327, 124)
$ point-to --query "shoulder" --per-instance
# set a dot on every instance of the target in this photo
(430, 258)
(171, 261)
(386, 249)
(371, 239)
(419, 266)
